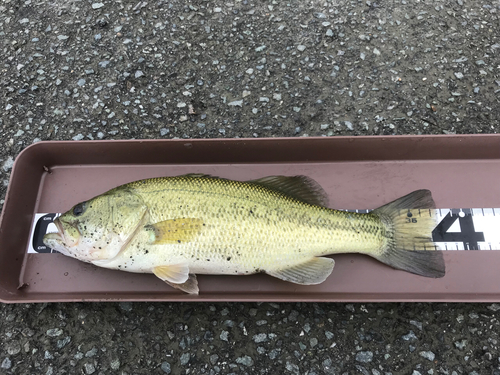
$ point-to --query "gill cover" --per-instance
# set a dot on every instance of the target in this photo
(101, 227)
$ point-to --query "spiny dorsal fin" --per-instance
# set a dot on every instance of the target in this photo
(311, 272)
(174, 230)
(302, 188)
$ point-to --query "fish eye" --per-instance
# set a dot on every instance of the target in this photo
(79, 209)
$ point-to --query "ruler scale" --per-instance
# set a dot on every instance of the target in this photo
(456, 228)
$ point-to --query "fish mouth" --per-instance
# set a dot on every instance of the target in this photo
(58, 240)
(59, 235)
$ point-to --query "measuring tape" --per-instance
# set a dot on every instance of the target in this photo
(456, 228)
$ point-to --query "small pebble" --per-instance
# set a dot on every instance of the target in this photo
(126, 306)
(165, 366)
(62, 343)
(185, 357)
(410, 336)
(6, 363)
(260, 337)
(224, 335)
(54, 332)
(428, 355)
(364, 357)
(78, 137)
(245, 360)
(89, 368)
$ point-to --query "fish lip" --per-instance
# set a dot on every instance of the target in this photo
(62, 233)
(60, 230)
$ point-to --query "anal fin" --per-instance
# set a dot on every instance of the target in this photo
(311, 272)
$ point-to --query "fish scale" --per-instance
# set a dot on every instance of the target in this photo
(271, 227)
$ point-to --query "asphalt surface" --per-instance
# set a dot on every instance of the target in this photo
(162, 69)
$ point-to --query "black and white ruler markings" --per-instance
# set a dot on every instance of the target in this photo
(456, 228)
(42, 224)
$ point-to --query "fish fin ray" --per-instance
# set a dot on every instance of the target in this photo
(428, 263)
(173, 273)
(190, 286)
(174, 230)
(416, 199)
(409, 245)
(302, 188)
(312, 272)
(197, 175)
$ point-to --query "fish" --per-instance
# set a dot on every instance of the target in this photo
(181, 226)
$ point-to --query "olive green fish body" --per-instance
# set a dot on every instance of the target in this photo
(176, 227)
(247, 228)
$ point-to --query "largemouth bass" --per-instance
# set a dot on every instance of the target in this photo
(177, 227)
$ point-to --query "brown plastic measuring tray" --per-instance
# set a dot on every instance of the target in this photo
(358, 173)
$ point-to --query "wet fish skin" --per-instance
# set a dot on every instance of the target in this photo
(177, 227)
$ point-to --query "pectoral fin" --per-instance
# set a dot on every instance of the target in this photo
(313, 271)
(174, 231)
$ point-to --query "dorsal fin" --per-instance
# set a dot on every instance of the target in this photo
(302, 188)
(197, 175)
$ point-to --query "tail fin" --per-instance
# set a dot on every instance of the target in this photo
(409, 223)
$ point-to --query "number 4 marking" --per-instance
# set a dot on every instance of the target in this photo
(467, 234)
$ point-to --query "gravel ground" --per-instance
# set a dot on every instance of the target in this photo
(124, 69)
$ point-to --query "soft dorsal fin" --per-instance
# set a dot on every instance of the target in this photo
(302, 188)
